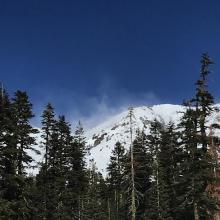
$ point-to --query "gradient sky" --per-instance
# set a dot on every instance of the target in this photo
(93, 57)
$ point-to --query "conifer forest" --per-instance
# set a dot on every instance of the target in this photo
(171, 173)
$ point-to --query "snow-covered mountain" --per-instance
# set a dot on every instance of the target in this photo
(102, 138)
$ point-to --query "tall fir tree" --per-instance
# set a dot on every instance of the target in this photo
(58, 168)
(48, 126)
(115, 181)
(153, 210)
(24, 135)
(24, 131)
(168, 171)
(48, 129)
(76, 177)
(142, 164)
(204, 204)
(166, 156)
(8, 157)
(143, 172)
(96, 204)
(199, 163)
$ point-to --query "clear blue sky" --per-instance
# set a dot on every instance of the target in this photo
(86, 56)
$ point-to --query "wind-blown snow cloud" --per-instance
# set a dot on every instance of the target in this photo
(101, 108)
(91, 110)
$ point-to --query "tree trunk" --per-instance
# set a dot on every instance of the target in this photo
(109, 210)
(196, 211)
(133, 196)
(79, 200)
(158, 191)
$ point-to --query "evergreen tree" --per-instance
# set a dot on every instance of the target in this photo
(16, 138)
(24, 132)
(204, 204)
(8, 156)
(198, 162)
(190, 162)
(166, 175)
(58, 169)
(115, 180)
(76, 178)
(142, 161)
(168, 171)
(48, 126)
(153, 210)
(143, 172)
(96, 204)
(48, 129)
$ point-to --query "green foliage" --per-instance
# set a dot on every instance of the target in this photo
(96, 204)
(198, 165)
(169, 170)
(115, 180)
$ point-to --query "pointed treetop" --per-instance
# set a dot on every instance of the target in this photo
(205, 63)
(131, 115)
(2, 90)
(79, 128)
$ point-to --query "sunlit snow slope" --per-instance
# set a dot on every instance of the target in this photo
(102, 138)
